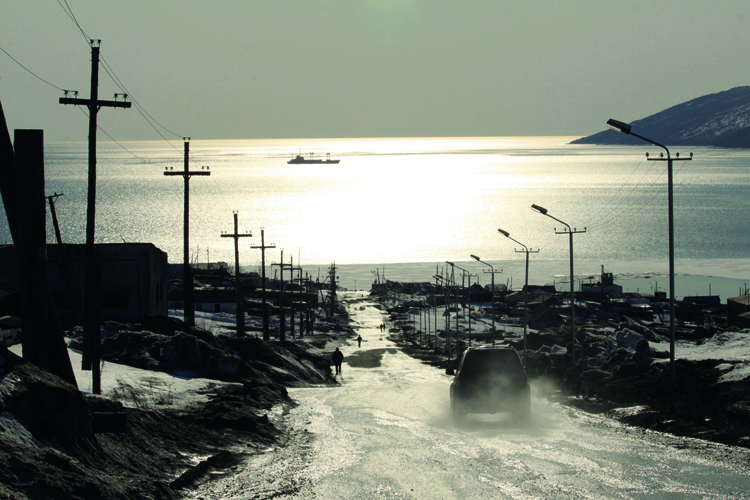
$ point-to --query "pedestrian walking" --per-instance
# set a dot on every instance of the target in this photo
(337, 357)
(359, 341)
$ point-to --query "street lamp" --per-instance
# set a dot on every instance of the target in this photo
(570, 232)
(492, 310)
(527, 250)
(626, 128)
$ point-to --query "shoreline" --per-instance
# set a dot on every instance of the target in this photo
(692, 276)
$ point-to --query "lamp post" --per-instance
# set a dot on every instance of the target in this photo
(626, 128)
(570, 232)
(492, 309)
(527, 250)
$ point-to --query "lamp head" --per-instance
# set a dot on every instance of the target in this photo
(474, 257)
(619, 126)
(539, 209)
(504, 233)
(449, 263)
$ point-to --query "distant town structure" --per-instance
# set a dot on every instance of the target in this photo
(133, 279)
(738, 311)
(605, 285)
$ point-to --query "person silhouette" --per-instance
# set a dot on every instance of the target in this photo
(337, 357)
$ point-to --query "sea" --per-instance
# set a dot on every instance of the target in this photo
(401, 208)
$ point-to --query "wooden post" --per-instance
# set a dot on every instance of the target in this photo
(266, 333)
(188, 296)
(92, 295)
(240, 298)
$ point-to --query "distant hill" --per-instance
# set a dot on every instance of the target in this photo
(719, 120)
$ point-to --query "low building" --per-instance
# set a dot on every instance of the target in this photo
(738, 311)
(133, 280)
(605, 285)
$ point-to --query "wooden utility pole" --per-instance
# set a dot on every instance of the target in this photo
(240, 299)
(332, 294)
(266, 333)
(282, 298)
(91, 295)
(291, 282)
(187, 274)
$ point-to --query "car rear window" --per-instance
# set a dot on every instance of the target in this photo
(503, 362)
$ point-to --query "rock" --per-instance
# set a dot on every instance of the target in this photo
(642, 349)
(183, 351)
(165, 325)
(224, 366)
(617, 357)
(628, 338)
(592, 380)
(51, 409)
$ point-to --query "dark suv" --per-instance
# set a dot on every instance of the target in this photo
(490, 380)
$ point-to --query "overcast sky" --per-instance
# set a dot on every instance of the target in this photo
(368, 68)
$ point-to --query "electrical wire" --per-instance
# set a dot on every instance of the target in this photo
(108, 69)
(83, 110)
(622, 186)
(66, 8)
(31, 72)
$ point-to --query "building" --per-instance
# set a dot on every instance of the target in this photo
(133, 280)
(738, 311)
(605, 285)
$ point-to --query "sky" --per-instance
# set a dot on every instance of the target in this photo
(237, 69)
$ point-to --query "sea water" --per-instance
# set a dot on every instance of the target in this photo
(402, 207)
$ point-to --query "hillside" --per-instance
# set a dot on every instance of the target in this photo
(718, 120)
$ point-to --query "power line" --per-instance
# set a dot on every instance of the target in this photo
(613, 211)
(66, 8)
(147, 116)
(116, 142)
(31, 72)
(107, 68)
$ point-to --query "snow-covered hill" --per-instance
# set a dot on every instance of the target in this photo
(719, 120)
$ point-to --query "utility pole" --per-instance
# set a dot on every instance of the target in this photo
(53, 212)
(240, 300)
(187, 273)
(332, 294)
(291, 282)
(266, 334)
(282, 316)
(91, 295)
(62, 257)
(670, 203)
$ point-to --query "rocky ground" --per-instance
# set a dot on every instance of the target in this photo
(57, 443)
